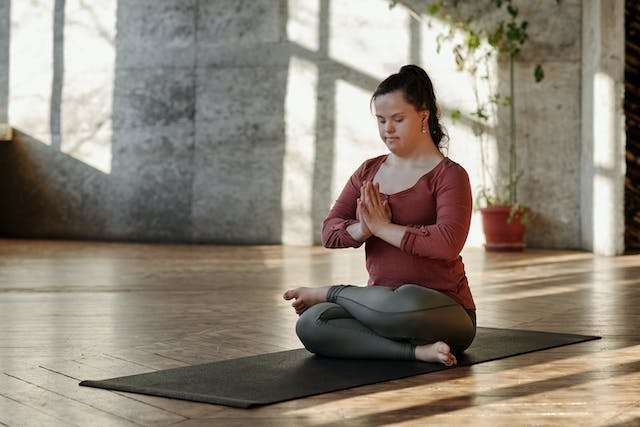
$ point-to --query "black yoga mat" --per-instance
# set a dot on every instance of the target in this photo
(290, 374)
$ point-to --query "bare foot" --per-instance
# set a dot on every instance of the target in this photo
(436, 352)
(306, 297)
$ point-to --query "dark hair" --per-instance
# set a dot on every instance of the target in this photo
(417, 89)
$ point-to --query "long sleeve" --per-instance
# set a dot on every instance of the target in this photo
(444, 239)
(342, 215)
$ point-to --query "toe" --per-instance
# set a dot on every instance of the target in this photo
(443, 347)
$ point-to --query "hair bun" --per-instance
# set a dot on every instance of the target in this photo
(413, 70)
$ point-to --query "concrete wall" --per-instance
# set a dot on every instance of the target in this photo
(547, 118)
(603, 128)
(240, 121)
(137, 129)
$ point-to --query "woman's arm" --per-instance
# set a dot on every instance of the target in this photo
(391, 233)
(341, 228)
(357, 233)
(444, 239)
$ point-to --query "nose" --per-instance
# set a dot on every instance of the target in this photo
(388, 128)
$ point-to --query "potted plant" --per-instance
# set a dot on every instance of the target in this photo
(504, 218)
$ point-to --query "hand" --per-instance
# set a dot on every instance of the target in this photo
(374, 211)
(363, 226)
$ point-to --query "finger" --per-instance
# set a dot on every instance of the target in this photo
(373, 194)
(364, 213)
(374, 189)
(363, 210)
(378, 193)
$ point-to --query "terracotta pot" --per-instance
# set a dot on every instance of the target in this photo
(499, 235)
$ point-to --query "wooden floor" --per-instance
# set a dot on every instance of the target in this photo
(74, 310)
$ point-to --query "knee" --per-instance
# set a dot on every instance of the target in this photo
(465, 340)
(306, 326)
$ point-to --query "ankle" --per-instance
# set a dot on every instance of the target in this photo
(324, 291)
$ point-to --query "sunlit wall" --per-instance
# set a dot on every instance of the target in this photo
(355, 45)
(202, 121)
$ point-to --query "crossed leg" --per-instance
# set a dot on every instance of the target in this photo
(384, 323)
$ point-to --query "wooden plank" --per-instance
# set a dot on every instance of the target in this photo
(177, 305)
(147, 359)
(13, 413)
(56, 405)
(67, 386)
(79, 371)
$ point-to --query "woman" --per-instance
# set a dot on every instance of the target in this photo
(413, 209)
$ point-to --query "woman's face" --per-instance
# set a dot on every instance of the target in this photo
(399, 123)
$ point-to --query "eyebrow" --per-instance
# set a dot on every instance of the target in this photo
(393, 115)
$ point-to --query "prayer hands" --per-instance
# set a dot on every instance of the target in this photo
(373, 211)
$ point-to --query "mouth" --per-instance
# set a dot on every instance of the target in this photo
(391, 139)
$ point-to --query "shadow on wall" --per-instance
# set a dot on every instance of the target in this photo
(169, 178)
(36, 203)
(198, 120)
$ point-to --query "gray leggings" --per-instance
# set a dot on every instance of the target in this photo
(378, 322)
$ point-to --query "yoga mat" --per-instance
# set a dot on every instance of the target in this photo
(290, 374)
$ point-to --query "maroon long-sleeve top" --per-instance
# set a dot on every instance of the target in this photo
(437, 213)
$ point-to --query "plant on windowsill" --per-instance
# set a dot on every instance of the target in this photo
(504, 219)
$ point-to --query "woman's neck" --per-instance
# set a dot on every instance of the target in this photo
(418, 159)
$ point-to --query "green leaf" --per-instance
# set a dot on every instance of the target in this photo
(538, 73)
(513, 32)
(472, 40)
(456, 114)
(433, 9)
(480, 113)
(495, 37)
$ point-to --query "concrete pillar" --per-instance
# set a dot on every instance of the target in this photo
(603, 134)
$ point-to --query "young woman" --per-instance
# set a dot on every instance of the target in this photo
(412, 207)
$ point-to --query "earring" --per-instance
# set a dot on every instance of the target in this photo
(424, 129)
